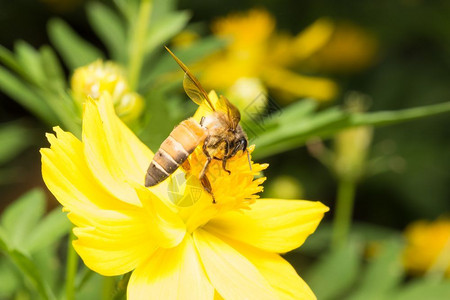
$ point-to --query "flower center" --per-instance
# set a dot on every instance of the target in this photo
(234, 191)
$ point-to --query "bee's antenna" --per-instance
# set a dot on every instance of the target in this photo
(249, 161)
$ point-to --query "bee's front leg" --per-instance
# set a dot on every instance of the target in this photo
(226, 157)
(207, 186)
(203, 178)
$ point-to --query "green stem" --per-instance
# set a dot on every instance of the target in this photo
(137, 45)
(121, 289)
(71, 268)
(109, 284)
(383, 118)
(343, 212)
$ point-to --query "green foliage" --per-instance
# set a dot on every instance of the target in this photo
(15, 138)
(26, 234)
(75, 51)
(382, 274)
(338, 268)
(285, 131)
(423, 289)
(110, 29)
(30, 238)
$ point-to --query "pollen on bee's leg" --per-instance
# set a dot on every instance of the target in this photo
(186, 165)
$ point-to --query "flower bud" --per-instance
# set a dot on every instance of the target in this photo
(100, 77)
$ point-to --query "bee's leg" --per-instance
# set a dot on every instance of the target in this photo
(203, 179)
(208, 158)
(207, 186)
(226, 156)
(224, 164)
(202, 120)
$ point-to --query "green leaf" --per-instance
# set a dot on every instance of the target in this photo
(64, 107)
(383, 273)
(110, 28)
(161, 8)
(335, 272)
(360, 231)
(423, 289)
(47, 260)
(25, 96)
(28, 269)
(75, 51)
(15, 138)
(128, 8)
(290, 136)
(31, 272)
(30, 61)
(8, 278)
(326, 123)
(53, 227)
(383, 118)
(91, 290)
(21, 217)
(52, 69)
(153, 72)
(165, 28)
(8, 59)
(255, 123)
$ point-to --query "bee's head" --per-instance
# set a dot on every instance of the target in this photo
(239, 144)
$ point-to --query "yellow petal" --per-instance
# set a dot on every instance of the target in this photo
(277, 271)
(231, 274)
(68, 177)
(167, 227)
(313, 38)
(272, 225)
(114, 154)
(114, 236)
(297, 85)
(174, 273)
(115, 244)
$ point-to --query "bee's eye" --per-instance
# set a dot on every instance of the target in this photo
(244, 144)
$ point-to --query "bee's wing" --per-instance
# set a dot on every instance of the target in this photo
(192, 86)
(233, 114)
(195, 91)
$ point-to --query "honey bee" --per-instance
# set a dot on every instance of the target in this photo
(219, 131)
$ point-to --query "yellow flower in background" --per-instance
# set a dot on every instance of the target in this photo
(179, 244)
(350, 49)
(99, 77)
(428, 247)
(255, 50)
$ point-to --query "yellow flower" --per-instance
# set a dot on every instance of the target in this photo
(428, 247)
(99, 77)
(350, 49)
(179, 244)
(255, 50)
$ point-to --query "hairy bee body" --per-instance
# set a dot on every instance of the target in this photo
(175, 149)
(219, 132)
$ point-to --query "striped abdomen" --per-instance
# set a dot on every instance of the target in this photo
(174, 151)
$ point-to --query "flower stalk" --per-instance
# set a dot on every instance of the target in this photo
(71, 268)
(108, 287)
(343, 213)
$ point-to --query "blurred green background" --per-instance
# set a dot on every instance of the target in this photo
(408, 164)
(410, 69)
